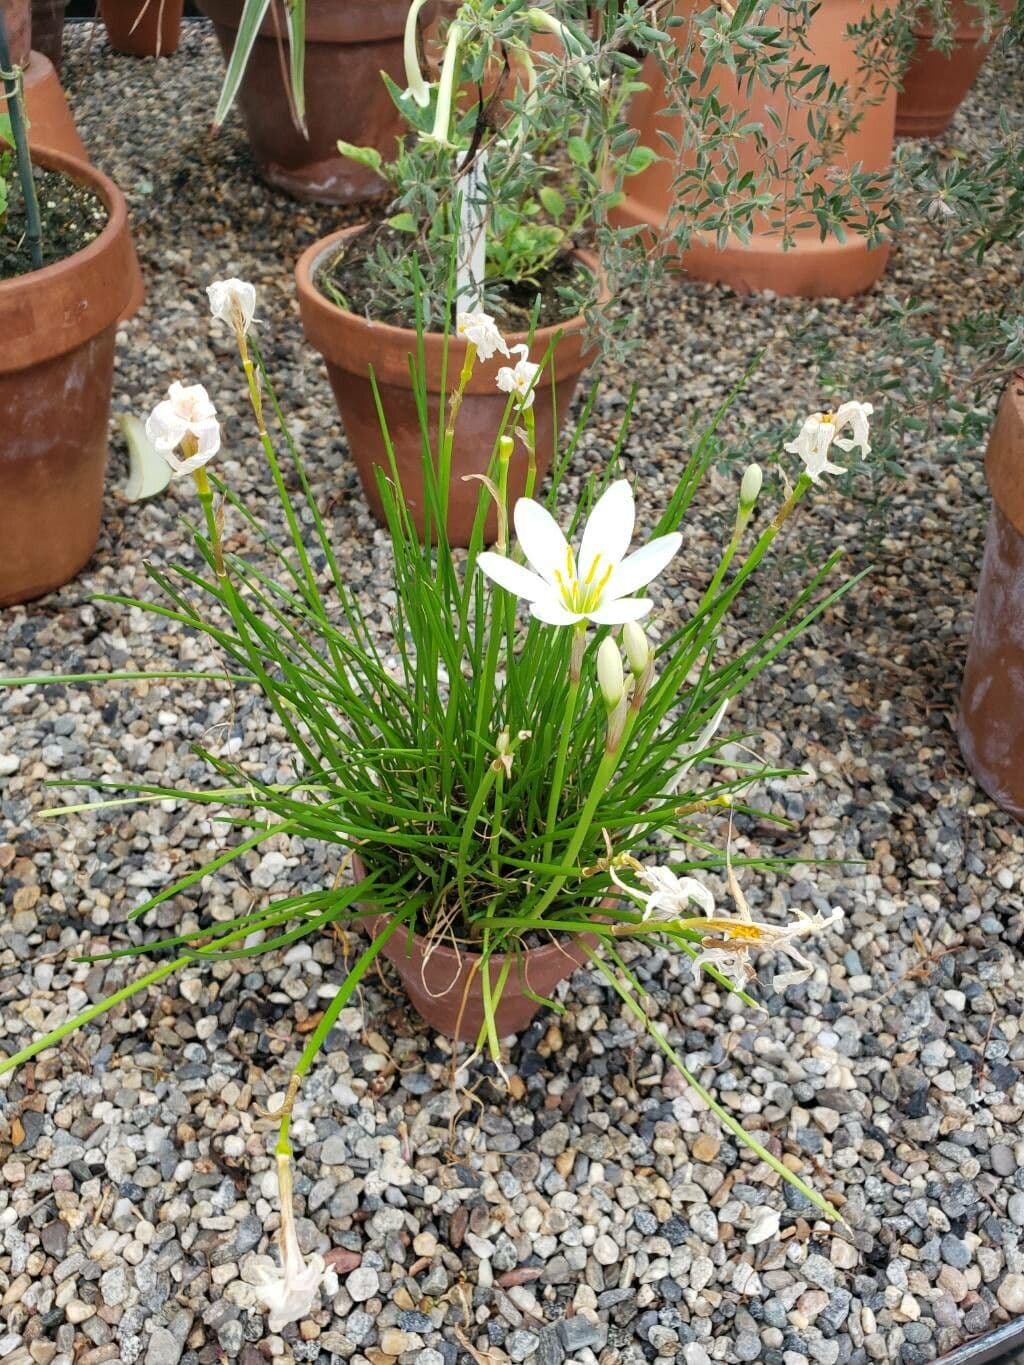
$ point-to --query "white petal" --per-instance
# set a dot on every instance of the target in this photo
(550, 610)
(508, 574)
(164, 427)
(694, 890)
(609, 527)
(207, 435)
(620, 610)
(541, 538)
(644, 564)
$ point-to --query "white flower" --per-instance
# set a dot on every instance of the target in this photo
(597, 587)
(821, 431)
(672, 897)
(519, 378)
(416, 86)
(290, 1293)
(234, 302)
(188, 419)
(481, 331)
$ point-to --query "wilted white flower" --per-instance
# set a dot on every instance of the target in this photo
(188, 419)
(598, 589)
(820, 432)
(290, 1293)
(481, 331)
(519, 378)
(673, 897)
(727, 937)
(234, 302)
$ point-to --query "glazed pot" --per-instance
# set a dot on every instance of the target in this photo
(18, 23)
(991, 721)
(143, 28)
(56, 372)
(351, 344)
(935, 83)
(810, 268)
(348, 45)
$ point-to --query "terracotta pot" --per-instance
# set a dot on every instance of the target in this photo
(445, 985)
(48, 29)
(935, 83)
(810, 268)
(351, 344)
(347, 46)
(991, 722)
(143, 28)
(56, 371)
(49, 118)
(18, 23)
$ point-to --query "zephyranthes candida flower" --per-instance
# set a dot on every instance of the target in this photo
(234, 302)
(820, 432)
(520, 378)
(289, 1294)
(188, 419)
(562, 588)
(481, 331)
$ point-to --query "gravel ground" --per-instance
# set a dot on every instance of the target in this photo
(597, 1214)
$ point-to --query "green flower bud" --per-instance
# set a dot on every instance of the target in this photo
(637, 647)
(750, 487)
(610, 677)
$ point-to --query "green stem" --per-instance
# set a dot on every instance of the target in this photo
(558, 775)
(605, 772)
(734, 1127)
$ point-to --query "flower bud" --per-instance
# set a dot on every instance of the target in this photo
(637, 647)
(750, 487)
(610, 677)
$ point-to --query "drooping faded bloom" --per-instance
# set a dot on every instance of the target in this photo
(234, 302)
(820, 432)
(520, 378)
(186, 418)
(290, 1293)
(597, 586)
(671, 897)
(727, 940)
(481, 331)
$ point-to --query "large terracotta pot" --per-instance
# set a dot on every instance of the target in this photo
(935, 83)
(348, 44)
(143, 28)
(56, 372)
(351, 345)
(18, 23)
(991, 723)
(810, 268)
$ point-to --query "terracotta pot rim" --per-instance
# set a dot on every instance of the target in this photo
(46, 342)
(333, 319)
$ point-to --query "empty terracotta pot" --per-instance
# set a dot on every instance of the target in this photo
(810, 268)
(143, 28)
(935, 83)
(18, 23)
(348, 45)
(351, 345)
(991, 722)
(56, 371)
